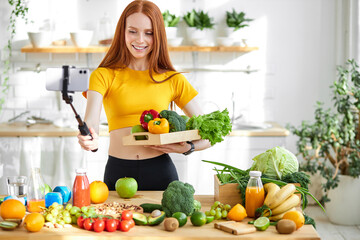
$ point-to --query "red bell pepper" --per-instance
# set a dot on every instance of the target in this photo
(147, 116)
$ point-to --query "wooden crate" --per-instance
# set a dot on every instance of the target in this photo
(159, 139)
(227, 193)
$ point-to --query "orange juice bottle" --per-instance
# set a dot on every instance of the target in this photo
(35, 191)
(254, 194)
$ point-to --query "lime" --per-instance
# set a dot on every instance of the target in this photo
(181, 217)
(198, 218)
(262, 223)
(209, 219)
(136, 129)
(126, 187)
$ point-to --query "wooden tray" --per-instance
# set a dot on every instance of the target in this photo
(160, 139)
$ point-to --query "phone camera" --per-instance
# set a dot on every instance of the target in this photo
(80, 72)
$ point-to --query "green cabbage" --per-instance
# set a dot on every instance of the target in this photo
(275, 163)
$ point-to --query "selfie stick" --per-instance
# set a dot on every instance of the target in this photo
(84, 130)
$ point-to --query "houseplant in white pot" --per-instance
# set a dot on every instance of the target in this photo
(331, 147)
(171, 21)
(234, 22)
(198, 22)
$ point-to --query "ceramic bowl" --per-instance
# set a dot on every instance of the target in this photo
(200, 42)
(81, 38)
(174, 42)
(225, 41)
(40, 39)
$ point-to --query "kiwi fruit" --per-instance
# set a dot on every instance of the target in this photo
(285, 226)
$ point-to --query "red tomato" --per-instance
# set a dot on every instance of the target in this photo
(80, 222)
(111, 225)
(118, 221)
(132, 223)
(88, 224)
(125, 225)
(126, 215)
(99, 225)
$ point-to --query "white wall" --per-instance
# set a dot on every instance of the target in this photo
(296, 57)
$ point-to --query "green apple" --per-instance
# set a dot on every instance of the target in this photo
(47, 189)
(126, 187)
(136, 129)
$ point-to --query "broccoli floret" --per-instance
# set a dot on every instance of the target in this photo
(178, 197)
(176, 122)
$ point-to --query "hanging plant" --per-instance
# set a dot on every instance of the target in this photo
(18, 9)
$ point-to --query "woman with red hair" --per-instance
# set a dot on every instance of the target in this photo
(136, 75)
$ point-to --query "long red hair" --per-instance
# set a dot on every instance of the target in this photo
(119, 55)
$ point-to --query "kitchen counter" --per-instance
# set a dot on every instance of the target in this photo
(19, 129)
(157, 232)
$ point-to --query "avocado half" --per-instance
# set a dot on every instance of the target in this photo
(152, 221)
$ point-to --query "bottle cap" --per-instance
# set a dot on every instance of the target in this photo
(255, 174)
(80, 170)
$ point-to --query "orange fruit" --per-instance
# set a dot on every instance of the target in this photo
(295, 216)
(99, 192)
(34, 222)
(12, 209)
(237, 213)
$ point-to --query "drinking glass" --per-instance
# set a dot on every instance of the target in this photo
(16, 185)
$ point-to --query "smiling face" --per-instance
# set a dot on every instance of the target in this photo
(139, 35)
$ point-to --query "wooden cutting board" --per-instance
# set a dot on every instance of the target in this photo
(236, 228)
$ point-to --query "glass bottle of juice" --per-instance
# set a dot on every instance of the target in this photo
(81, 189)
(254, 195)
(36, 191)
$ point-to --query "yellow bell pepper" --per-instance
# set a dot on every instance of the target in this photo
(158, 126)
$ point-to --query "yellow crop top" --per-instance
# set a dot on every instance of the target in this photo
(127, 93)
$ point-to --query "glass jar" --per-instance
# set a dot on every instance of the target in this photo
(254, 194)
(35, 191)
(81, 189)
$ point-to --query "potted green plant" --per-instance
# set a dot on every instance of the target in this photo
(18, 9)
(234, 22)
(171, 21)
(331, 146)
(198, 22)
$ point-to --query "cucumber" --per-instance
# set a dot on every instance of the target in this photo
(149, 207)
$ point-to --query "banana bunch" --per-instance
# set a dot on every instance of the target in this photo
(279, 200)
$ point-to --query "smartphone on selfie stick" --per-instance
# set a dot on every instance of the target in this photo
(68, 80)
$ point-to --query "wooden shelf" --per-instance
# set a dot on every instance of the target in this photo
(102, 49)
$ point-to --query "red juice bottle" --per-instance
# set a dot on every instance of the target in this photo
(81, 189)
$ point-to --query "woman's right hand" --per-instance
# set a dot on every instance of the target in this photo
(87, 143)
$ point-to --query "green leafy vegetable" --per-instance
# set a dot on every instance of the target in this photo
(297, 177)
(275, 163)
(213, 126)
(309, 220)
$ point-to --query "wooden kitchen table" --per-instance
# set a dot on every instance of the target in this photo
(157, 232)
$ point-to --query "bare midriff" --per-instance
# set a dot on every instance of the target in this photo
(118, 150)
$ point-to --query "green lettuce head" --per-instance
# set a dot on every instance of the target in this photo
(275, 163)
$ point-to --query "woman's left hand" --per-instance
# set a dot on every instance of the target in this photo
(171, 148)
